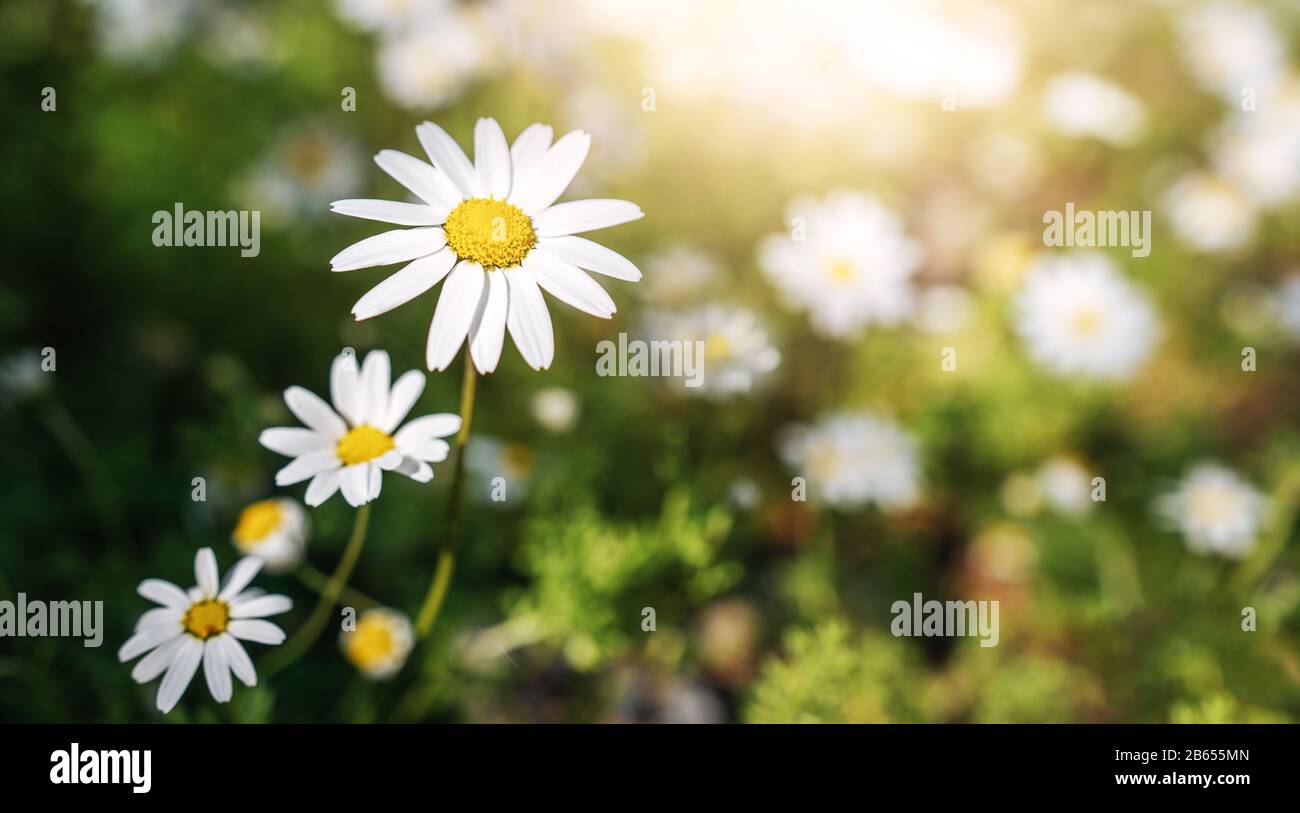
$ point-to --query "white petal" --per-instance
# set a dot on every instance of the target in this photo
(239, 577)
(440, 425)
(417, 470)
(161, 617)
(386, 248)
(322, 487)
(528, 320)
(355, 484)
(260, 606)
(552, 174)
(431, 450)
(256, 630)
(179, 674)
(238, 659)
(489, 329)
(217, 671)
(376, 378)
(428, 184)
(454, 313)
(404, 395)
(153, 664)
(592, 256)
(315, 413)
(492, 158)
(164, 593)
(374, 481)
(568, 284)
(450, 158)
(145, 640)
(205, 572)
(584, 215)
(307, 466)
(405, 285)
(389, 211)
(345, 387)
(529, 148)
(293, 441)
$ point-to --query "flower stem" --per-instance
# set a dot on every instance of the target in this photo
(447, 555)
(309, 632)
(317, 582)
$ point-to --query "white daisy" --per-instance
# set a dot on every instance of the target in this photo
(1210, 214)
(391, 16)
(556, 409)
(1078, 316)
(21, 375)
(736, 347)
(275, 531)
(428, 64)
(846, 260)
(851, 459)
(203, 625)
(1082, 104)
(1230, 47)
(1066, 485)
(380, 644)
(493, 229)
(678, 274)
(347, 447)
(1215, 510)
(141, 30)
(307, 168)
(1259, 151)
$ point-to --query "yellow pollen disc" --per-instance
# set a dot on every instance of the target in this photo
(370, 643)
(490, 232)
(1086, 322)
(843, 271)
(257, 521)
(363, 443)
(207, 618)
(717, 348)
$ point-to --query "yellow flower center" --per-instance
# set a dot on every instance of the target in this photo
(371, 643)
(1086, 322)
(363, 443)
(490, 232)
(257, 521)
(717, 348)
(206, 618)
(843, 271)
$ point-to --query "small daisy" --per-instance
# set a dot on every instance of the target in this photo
(555, 409)
(736, 348)
(275, 531)
(391, 16)
(846, 260)
(203, 625)
(429, 63)
(21, 375)
(1230, 47)
(380, 644)
(349, 446)
(1081, 104)
(1078, 316)
(851, 459)
(1066, 485)
(493, 230)
(501, 468)
(1215, 510)
(1210, 214)
(306, 169)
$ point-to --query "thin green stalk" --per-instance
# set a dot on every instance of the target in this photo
(309, 632)
(433, 599)
(318, 582)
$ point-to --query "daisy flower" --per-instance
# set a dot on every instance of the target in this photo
(274, 531)
(556, 409)
(847, 261)
(1066, 485)
(379, 644)
(1210, 213)
(1215, 510)
(1230, 47)
(431, 61)
(852, 459)
(202, 625)
(349, 446)
(493, 230)
(1078, 316)
(1082, 104)
(736, 347)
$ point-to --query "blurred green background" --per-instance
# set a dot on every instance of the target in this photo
(170, 361)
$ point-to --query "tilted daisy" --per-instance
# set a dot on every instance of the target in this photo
(380, 643)
(275, 531)
(1216, 510)
(347, 447)
(1078, 316)
(492, 228)
(854, 458)
(736, 350)
(203, 625)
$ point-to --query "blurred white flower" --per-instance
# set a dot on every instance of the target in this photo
(21, 376)
(275, 530)
(851, 459)
(1209, 214)
(428, 65)
(380, 644)
(203, 625)
(1065, 485)
(846, 260)
(1232, 46)
(1215, 510)
(350, 449)
(744, 493)
(489, 458)
(1258, 151)
(555, 409)
(1082, 104)
(392, 16)
(1078, 316)
(1287, 301)
(944, 309)
(140, 30)
(736, 347)
(305, 170)
(678, 274)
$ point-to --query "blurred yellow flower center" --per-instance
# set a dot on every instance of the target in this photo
(716, 348)
(1086, 322)
(490, 232)
(370, 643)
(843, 271)
(207, 618)
(257, 520)
(363, 443)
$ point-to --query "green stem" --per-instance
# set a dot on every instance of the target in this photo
(318, 582)
(76, 444)
(1254, 573)
(309, 632)
(447, 555)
